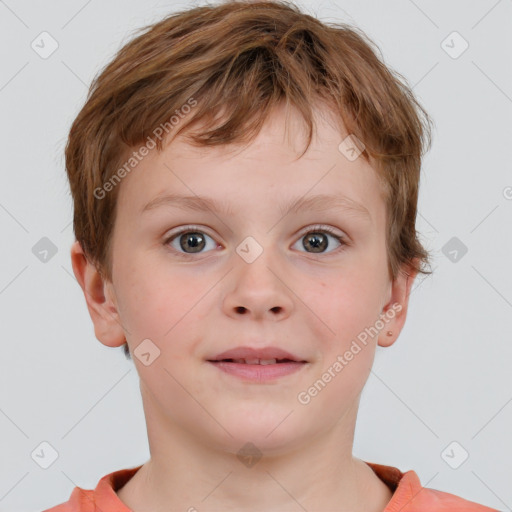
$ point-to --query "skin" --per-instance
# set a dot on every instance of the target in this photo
(313, 304)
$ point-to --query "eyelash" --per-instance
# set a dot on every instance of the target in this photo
(314, 229)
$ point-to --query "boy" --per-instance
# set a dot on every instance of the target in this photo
(288, 156)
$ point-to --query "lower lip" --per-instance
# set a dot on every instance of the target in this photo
(258, 372)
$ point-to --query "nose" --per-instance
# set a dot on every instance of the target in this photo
(259, 290)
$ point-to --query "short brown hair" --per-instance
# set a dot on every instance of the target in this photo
(241, 58)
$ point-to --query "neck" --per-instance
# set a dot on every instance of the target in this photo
(188, 472)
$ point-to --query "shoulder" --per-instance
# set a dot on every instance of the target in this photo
(432, 499)
(410, 496)
(102, 499)
(81, 500)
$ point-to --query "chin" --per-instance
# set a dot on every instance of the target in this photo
(264, 438)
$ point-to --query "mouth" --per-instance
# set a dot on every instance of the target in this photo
(255, 361)
(259, 371)
(256, 356)
(262, 365)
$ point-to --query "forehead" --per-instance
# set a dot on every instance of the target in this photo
(267, 169)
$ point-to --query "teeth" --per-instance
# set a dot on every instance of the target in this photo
(256, 361)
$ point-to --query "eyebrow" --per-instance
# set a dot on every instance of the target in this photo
(317, 203)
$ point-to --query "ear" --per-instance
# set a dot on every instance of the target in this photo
(394, 312)
(100, 298)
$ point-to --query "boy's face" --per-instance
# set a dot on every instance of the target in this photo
(307, 295)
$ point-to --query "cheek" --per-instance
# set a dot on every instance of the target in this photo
(348, 354)
(350, 307)
(350, 301)
(163, 309)
(140, 298)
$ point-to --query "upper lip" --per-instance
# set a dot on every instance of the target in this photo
(256, 353)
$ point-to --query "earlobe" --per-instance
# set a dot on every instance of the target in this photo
(394, 312)
(102, 308)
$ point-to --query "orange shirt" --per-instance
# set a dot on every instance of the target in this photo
(408, 494)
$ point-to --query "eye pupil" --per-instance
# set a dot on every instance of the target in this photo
(191, 239)
(313, 241)
(194, 242)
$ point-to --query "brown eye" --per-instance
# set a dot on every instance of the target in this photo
(190, 242)
(316, 241)
(193, 240)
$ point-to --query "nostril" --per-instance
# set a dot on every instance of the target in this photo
(241, 309)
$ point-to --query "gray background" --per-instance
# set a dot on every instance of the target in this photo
(446, 379)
